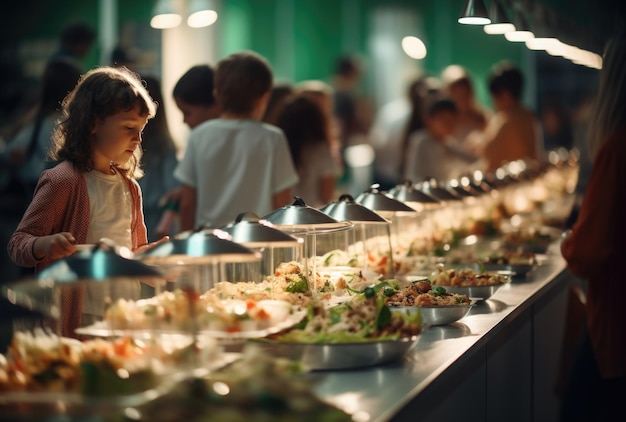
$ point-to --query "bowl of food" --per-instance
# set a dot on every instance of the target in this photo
(436, 306)
(358, 333)
(436, 315)
(476, 285)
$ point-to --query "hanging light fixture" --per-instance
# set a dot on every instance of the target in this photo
(474, 13)
(165, 15)
(500, 23)
(522, 31)
(201, 14)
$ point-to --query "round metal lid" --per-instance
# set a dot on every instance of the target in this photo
(432, 188)
(406, 192)
(200, 247)
(249, 230)
(377, 200)
(103, 262)
(345, 208)
(299, 217)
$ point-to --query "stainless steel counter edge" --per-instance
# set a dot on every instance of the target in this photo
(379, 393)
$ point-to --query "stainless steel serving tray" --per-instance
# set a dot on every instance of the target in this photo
(436, 315)
(475, 292)
(333, 356)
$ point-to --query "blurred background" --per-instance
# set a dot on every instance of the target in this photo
(302, 38)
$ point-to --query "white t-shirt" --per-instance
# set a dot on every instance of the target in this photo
(235, 166)
(317, 163)
(427, 157)
(110, 209)
(386, 137)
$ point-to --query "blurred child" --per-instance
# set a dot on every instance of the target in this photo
(236, 163)
(306, 128)
(193, 94)
(432, 152)
(98, 146)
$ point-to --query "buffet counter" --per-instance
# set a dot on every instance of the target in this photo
(503, 358)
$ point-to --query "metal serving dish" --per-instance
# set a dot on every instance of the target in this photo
(332, 356)
(436, 315)
(513, 271)
(475, 292)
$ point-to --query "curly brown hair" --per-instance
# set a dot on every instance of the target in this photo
(102, 92)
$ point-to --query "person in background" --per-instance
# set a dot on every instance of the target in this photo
(513, 132)
(432, 152)
(306, 127)
(472, 119)
(159, 161)
(193, 94)
(28, 150)
(323, 94)
(280, 92)
(98, 146)
(236, 163)
(556, 126)
(594, 251)
(349, 107)
(393, 127)
(75, 42)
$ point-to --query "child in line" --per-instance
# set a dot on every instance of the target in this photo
(236, 163)
(193, 94)
(92, 193)
(432, 151)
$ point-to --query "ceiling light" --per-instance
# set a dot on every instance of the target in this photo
(500, 24)
(165, 15)
(522, 31)
(474, 13)
(414, 47)
(201, 14)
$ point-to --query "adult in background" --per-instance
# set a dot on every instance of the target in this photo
(513, 132)
(75, 42)
(594, 251)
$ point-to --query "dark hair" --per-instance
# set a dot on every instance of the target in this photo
(100, 93)
(78, 33)
(157, 139)
(280, 92)
(304, 123)
(441, 105)
(506, 77)
(346, 65)
(196, 86)
(59, 78)
(240, 80)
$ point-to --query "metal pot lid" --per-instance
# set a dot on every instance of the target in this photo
(103, 262)
(200, 247)
(345, 208)
(299, 217)
(406, 192)
(249, 230)
(432, 188)
(377, 200)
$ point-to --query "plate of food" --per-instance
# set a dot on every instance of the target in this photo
(436, 306)
(531, 239)
(359, 333)
(477, 285)
(184, 311)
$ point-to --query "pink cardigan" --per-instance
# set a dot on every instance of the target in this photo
(61, 204)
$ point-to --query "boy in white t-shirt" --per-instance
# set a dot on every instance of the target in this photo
(236, 163)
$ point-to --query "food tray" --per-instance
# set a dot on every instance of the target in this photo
(475, 292)
(436, 315)
(103, 329)
(332, 356)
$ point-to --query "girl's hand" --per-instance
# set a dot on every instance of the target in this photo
(148, 246)
(55, 246)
